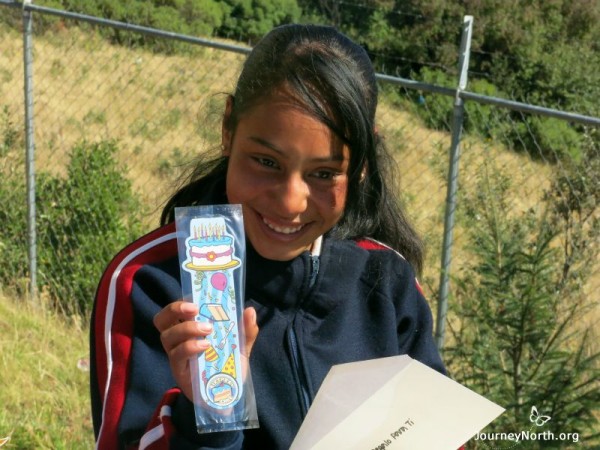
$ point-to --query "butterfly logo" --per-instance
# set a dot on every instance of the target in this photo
(4, 441)
(536, 418)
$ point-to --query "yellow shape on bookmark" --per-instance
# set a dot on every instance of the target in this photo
(229, 367)
(211, 354)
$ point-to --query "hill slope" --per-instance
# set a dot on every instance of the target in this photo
(164, 109)
(45, 395)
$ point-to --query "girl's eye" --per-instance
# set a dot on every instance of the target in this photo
(266, 162)
(325, 174)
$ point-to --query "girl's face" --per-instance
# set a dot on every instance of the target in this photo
(290, 174)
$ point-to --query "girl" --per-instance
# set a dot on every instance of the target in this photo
(326, 283)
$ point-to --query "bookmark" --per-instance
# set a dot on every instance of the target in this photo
(211, 245)
(211, 262)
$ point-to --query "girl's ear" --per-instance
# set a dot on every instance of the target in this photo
(226, 127)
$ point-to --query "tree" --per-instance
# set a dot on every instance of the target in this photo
(518, 339)
(251, 19)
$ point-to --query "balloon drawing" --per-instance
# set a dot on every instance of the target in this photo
(219, 281)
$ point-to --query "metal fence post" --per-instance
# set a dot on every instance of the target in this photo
(457, 124)
(30, 148)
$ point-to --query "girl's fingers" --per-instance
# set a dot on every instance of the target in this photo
(183, 338)
(179, 333)
(180, 354)
(251, 332)
(174, 313)
(250, 329)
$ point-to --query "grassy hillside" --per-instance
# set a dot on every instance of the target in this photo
(44, 399)
(164, 109)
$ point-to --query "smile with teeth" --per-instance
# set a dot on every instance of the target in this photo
(283, 230)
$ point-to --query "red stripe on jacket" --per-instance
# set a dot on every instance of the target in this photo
(119, 275)
(372, 244)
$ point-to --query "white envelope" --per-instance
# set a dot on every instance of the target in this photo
(392, 403)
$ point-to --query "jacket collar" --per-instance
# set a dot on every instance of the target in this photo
(278, 283)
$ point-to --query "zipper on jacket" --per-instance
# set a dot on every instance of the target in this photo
(313, 266)
(305, 397)
(314, 270)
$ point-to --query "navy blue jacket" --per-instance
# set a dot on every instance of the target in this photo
(363, 302)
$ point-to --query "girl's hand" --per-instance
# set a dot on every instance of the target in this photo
(180, 333)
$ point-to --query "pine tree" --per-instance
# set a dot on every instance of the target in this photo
(518, 338)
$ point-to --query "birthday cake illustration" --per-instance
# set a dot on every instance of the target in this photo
(222, 394)
(223, 390)
(210, 249)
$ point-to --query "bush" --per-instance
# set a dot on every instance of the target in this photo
(250, 20)
(188, 17)
(484, 120)
(83, 219)
(547, 139)
(13, 214)
(436, 109)
(86, 219)
(544, 138)
(518, 339)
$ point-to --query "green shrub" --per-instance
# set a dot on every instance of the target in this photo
(89, 216)
(546, 138)
(83, 219)
(203, 17)
(518, 339)
(484, 120)
(13, 214)
(9, 133)
(249, 20)
(436, 109)
(189, 17)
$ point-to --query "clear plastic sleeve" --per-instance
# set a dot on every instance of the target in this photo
(212, 250)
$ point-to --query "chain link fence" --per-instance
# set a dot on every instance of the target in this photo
(120, 124)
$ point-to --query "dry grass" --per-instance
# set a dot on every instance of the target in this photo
(155, 105)
(165, 109)
(44, 397)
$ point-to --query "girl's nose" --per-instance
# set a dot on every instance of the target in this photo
(292, 196)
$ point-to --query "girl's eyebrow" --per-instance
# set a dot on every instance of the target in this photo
(338, 156)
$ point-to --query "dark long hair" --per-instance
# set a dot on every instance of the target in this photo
(333, 79)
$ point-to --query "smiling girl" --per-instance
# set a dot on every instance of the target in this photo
(330, 265)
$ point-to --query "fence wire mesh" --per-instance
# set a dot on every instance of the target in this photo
(120, 124)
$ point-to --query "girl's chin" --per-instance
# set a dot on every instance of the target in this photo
(275, 252)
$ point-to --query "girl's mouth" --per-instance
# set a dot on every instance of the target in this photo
(283, 229)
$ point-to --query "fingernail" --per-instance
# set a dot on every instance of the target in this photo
(188, 308)
(205, 327)
(202, 344)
